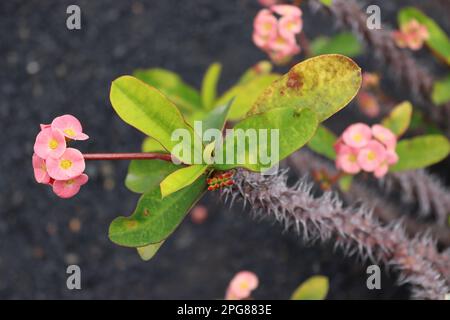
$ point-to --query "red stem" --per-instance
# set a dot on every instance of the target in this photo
(128, 156)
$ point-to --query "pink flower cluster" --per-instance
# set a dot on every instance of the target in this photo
(364, 148)
(411, 35)
(53, 162)
(242, 285)
(277, 35)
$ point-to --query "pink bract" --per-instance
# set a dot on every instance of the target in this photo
(69, 165)
(289, 25)
(68, 188)
(242, 284)
(70, 127)
(357, 135)
(346, 159)
(371, 156)
(385, 136)
(49, 144)
(40, 170)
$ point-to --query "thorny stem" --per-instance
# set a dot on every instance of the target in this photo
(128, 156)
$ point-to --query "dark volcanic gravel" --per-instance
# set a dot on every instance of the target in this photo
(47, 70)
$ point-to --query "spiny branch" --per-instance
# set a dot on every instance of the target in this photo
(304, 162)
(354, 229)
(421, 188)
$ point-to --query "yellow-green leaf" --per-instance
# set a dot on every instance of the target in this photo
(259, 69)
(246, 94)
(324, 84)
(151, 145)
(171, 85)
(181, 178)
(421, 152)
(441, 91)
(148, 252)
(399, 119)
(209, 85)
(315, 288)
(149, 111)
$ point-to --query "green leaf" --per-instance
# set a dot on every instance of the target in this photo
(327, 2)
(323, 142)
(324, 84)
(217, 117)
(148, 252)
(421, 152)
(438, 41)
(151, 145)
(171, 85)
(181, 178)
(315, 288)
(149, 111)
(261, 68)
(345, 182)
(295, 129)
(144, 175)
(246, 94)
(155, 218)
(344, 43)
(209, 85)
(441, 91)
(399, 119)
(419, 122)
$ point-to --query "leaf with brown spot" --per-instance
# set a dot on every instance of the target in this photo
(324, 84)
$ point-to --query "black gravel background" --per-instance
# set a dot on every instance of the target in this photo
(47, 70)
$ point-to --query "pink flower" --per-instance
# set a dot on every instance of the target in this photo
(241, 286)
(391, 157)
(68, 188)
(40, 170)
(346, 159)
(381, 171)
(50, 144)
(368, 104)
(45, 126)
(385, 136)
(371, 156)
(286, 10)
(199, 214)
(69, 165)
(70, 127)
(289, 25)
(369, 80)
(278, 37)
(357, 135)
(412, 35)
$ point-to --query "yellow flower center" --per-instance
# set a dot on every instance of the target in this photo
(371, 156)
(352, 158)
(357, 137)
(69, 132)
(53, 144)
(244, 285)
(69, 182)
(65, 164)
(268, 26)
